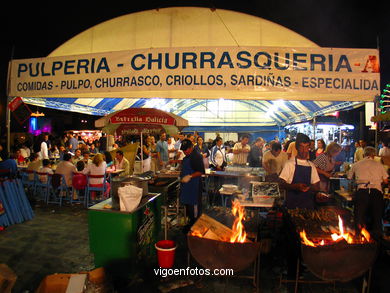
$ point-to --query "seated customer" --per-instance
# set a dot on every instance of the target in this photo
(46, 168)
(77, 157)
(80, 166)
(66, 168)
(98, 167)
(34, 165)
(108, 158)
(86, 157)
(120, 162)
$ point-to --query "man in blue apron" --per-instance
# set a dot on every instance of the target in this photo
(300, 178)
(191, 181)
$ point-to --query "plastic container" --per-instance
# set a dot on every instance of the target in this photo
(166, 253)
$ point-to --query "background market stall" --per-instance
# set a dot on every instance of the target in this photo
(139, 122)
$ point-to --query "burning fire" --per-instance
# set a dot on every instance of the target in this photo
(211, 229)
(348, 237)
(239, 234)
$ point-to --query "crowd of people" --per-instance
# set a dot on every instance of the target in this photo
(66, 155)
(163, 151)
(303, 166)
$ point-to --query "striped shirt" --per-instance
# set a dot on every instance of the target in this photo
(324, 163)
(242, 157)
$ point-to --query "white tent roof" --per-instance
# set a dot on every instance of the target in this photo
(190, 27)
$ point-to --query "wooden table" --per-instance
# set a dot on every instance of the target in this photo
(114, 171)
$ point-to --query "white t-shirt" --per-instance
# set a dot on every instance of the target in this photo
(67, 169)
(95, 170)
(288, 171)
(384, 152)
(43, 178)
(242, 157)
(275, 164)
(368, 173)
(44, 153)
(171, 147)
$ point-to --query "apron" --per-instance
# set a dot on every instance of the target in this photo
(299, 199)
(189, 192)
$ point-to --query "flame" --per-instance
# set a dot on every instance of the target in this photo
(366, 234)
(239, 234)
(196, 233)
(305, 240)
(348, 237)
(342, 234)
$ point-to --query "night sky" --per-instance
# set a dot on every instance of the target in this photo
(34, 30)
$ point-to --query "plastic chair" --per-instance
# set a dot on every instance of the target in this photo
(28, 180)
(93, 189)
(79, 185)
(42, 187)
(57, 188)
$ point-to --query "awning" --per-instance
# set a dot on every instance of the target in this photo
(141, 120)
(206, 112)
(249, 64)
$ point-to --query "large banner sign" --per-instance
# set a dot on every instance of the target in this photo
(251, 72)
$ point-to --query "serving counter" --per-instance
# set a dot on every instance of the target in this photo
(123, 237)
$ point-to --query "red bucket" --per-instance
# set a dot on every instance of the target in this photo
(166, 253)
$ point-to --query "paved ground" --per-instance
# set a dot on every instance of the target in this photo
(56, 241)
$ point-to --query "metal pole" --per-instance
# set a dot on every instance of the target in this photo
(8, 118)
(142, 153)
(340, 136)
(314, 128)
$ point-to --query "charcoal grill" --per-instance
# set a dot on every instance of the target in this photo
(214, 254)
(340, 261)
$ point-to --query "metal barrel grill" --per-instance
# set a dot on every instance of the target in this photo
(335, 260)
(340, 261)
(215, 254)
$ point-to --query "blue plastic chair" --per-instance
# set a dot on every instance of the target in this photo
(101, 189)
(42, 188)
(28, 180)
(6, 218)
(57, 189)
(18, 194)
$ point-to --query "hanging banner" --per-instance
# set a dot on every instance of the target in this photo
(204, 72)
(19, 110)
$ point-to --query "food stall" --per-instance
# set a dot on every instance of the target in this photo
(139, 122)
(124, 226)
(136, 121)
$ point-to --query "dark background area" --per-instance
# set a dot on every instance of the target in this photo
(34, 29)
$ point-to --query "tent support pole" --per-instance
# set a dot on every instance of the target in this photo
(8, 118)
(314, 127)
(142, 153)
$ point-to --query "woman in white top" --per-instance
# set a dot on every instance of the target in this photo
(385, 151)
(98, 167)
